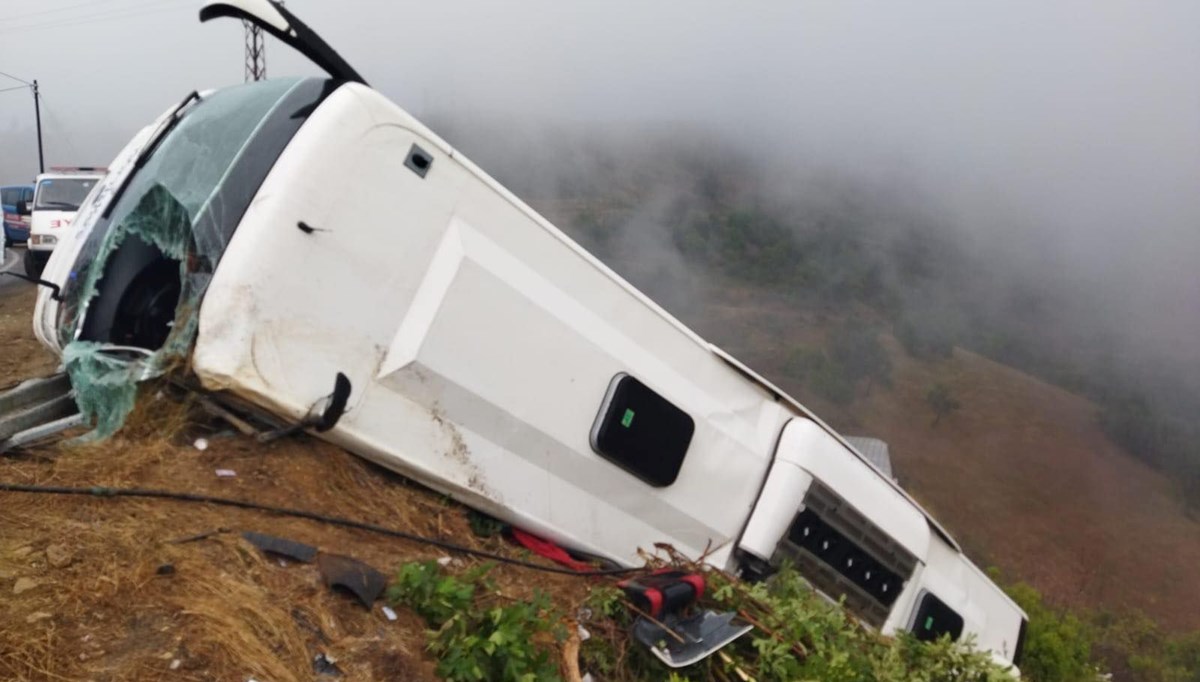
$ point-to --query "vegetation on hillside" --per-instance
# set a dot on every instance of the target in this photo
(480, 635)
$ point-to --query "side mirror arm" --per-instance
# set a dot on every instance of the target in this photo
(55, 290)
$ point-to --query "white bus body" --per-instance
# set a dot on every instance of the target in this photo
(486, 353)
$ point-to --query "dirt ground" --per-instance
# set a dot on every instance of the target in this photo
(101, 589)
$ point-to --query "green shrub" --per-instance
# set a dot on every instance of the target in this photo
(942, 401)
(435, 597)
(836, 648)
(475, 639)
(1058, 645)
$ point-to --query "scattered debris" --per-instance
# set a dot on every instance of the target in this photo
(200, 536)
(38, 616)
(235, 421)
(351, 574)
(59, 556)
(444, 561)
(680, 641)
(324, 664)
(661, 599)
(485, 526)
(296, 551)
(175, 663)
(201, 444)
(389, 613)
(226, 473)
(303, 620)
(22, 552)
(165, 569)
(24, 585)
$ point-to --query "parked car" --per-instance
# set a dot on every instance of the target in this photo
(57, 196)
(16, 221)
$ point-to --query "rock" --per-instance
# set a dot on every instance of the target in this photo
(24, 585)
(35, 617)
(59, 556)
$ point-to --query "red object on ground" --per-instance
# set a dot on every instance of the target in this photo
(666, 590)
(548, 549)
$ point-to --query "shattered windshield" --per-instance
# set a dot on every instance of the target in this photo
(63, 194)
(189, 166)
(132, 296)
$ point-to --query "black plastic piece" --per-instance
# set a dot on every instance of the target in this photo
(419, 161)
(55, 292)
(829, 545)
(337, 404)
(297, 551)
(642, 432)
(935, 619)
(299, 36)
(1019, 652)
(364, 582)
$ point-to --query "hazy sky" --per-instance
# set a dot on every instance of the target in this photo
(1062, 133)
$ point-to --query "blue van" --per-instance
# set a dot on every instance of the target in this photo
(16, 224)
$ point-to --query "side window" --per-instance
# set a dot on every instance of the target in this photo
(27, 195)
(642, 432)
(935, 619)
(8, 196)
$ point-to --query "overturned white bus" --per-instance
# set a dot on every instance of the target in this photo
(430, 321)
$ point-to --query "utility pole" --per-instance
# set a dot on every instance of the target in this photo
(256, 53)
(37, 113)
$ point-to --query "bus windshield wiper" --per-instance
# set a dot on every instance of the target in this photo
(151, 146)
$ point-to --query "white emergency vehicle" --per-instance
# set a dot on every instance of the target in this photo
(57, 196)
(433, 323)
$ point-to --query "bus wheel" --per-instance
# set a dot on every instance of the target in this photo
(33, 265)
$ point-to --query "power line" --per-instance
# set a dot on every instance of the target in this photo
(16, 87)
(19, 80)
(62, 129)
(104, 492)
(131, 11)
(37, 112)
(18, 17)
